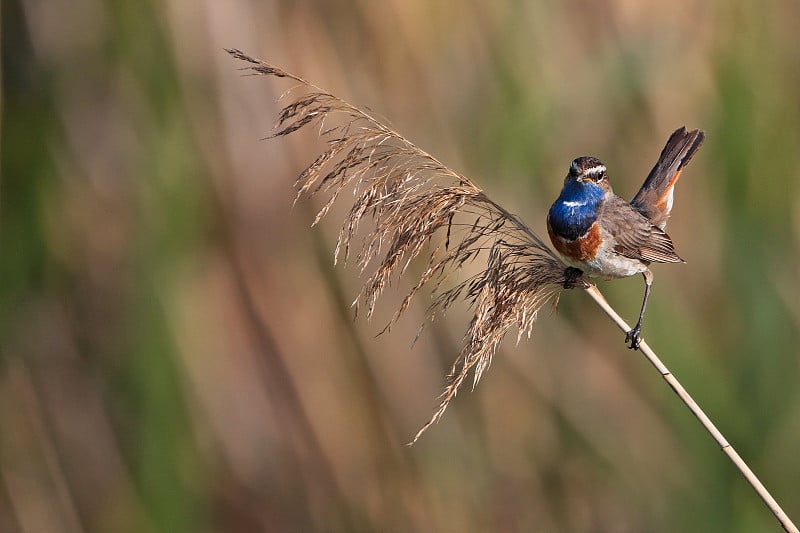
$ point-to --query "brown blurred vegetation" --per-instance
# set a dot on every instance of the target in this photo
(177, 352)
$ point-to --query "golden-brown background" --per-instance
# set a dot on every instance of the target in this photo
(177, 351)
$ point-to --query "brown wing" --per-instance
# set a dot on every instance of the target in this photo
(654, 198)
(634, 235)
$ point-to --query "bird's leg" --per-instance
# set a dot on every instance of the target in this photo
(634, 335)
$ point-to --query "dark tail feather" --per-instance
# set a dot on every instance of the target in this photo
(654, 199)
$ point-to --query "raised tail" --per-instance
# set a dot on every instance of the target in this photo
(654, 199)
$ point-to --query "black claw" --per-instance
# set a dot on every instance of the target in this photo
(573, 277)
(633, 336)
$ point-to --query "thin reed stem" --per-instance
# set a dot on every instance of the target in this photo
(421, 209)
(687, 399)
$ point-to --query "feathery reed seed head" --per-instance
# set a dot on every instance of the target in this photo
(420, 207)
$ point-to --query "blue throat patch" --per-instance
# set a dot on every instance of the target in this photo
(575, 210)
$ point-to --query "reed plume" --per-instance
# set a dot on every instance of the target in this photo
(420, 207)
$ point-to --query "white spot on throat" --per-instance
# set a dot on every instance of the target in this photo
(574, 204)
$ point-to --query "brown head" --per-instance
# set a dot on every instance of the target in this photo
(588, 169)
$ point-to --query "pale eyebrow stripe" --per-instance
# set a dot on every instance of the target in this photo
(595, 170)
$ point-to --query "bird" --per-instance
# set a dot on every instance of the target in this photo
(602, 235)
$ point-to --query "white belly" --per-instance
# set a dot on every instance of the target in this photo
(608, 264)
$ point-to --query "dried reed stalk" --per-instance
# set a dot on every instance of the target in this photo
(701, 416)
(418, 207)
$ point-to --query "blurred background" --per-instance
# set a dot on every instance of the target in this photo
(178, 352)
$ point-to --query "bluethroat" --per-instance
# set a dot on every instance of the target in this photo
(602, 235)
